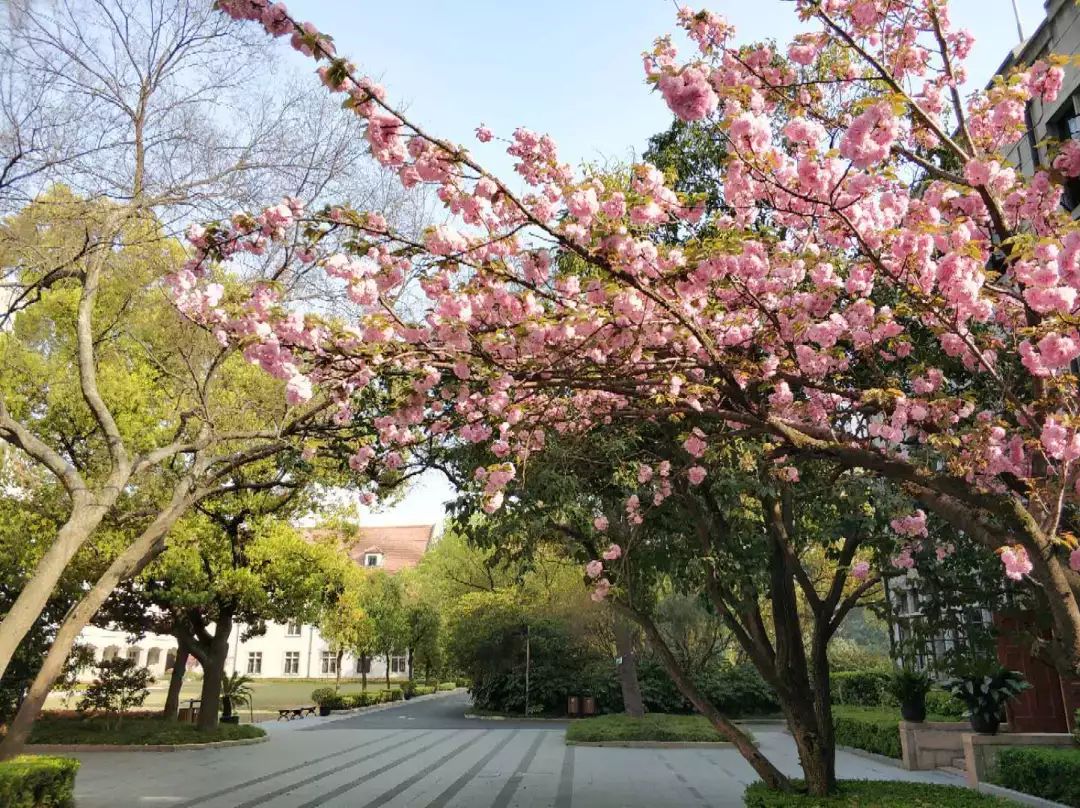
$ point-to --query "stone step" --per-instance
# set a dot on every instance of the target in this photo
(952, 770)
(959, 763)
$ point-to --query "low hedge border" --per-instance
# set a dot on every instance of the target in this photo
(132, 747)
(875, 794)
(871, 730)
(38, 782)
(1049, 773)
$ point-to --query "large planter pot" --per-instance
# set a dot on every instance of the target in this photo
(984, 724)
(913, 709)
(324, 709)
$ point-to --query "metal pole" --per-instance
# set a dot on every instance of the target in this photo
(528, 663)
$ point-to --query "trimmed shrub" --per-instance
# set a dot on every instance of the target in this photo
(38, 782)
(872, 730)
(393, 694)
(322, 695)
(1047, 772)
(423, 690)
(944, 706)
(875, 794)
(861, 688)
(446, 686)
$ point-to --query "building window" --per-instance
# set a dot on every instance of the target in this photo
(329, 662)
(373, 559)
(398, 664)
(255, 661)
(153, 657)
(1065, 125)
(292, 662)
(293, 629)
(133, 654)
(363, 664)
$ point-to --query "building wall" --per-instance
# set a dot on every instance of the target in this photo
(278, 644)
(1059, 33)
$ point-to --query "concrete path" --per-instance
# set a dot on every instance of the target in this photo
(427, 755)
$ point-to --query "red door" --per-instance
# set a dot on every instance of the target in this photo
(1042, 707)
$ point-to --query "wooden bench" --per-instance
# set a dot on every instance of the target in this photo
(289, 713)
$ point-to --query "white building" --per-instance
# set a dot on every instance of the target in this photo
(283, 650)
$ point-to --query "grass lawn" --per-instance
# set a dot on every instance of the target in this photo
(270, 694)
(876, 794)
(133, 731)
(653, 727)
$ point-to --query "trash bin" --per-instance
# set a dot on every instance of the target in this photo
(588, 706)
(184, 715)
(572, 705)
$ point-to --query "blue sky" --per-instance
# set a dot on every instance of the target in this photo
(570, 68)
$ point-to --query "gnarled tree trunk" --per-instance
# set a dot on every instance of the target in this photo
(176, 681)
(628, 676)
(216, 654)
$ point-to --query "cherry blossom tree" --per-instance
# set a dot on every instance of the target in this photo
(884, 289)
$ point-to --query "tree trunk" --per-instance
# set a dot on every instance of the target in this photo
(765, 769)
(127, 564)
(388, 671)
(409, 652)
(337, 680)
(36, 592)
(363, 672)
(214, 671)
(176, 681)
(628, 676)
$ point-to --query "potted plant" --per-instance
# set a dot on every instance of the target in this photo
(985, 694)
(324, 697)
(235, 692)
(909, 687)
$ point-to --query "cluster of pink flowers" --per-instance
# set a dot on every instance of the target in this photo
(772, 334)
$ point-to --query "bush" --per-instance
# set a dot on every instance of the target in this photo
(38, 782)
(874, 794)
(1047, 772)
(393, 694)
(119, 686)
(944, 706)
(872, 730)
(739, 691)
(446, 686)
(653, 727)
(861, 688)
(423, 690)
(323, 695)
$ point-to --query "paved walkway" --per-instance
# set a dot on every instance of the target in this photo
(427, 755)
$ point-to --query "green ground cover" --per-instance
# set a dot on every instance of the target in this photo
(653, 727)
(876, 794)
(133, 731)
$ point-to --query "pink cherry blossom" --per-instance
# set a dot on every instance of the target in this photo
(860, 570)
(600, 523)
(595, 568)
(613, 552)
(1016, 561)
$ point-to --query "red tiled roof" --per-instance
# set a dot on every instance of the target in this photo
(401, 545)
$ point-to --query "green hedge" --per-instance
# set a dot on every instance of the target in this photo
(1047, 772)
(869, 729)
(350, 701)
(860, 688)
(875, 794)
(447, 686)
(38, 782)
